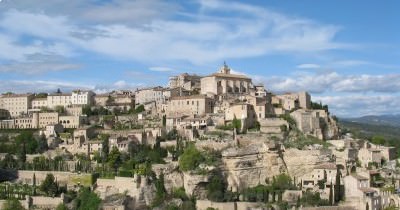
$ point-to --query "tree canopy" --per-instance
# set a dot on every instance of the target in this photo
(12, 204)
(49, 185)
(190, 159)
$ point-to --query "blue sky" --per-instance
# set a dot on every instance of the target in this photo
(345, 53)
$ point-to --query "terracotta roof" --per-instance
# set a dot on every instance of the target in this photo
(229, 76)
(188, 97)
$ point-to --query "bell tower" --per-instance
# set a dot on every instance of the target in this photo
(224, 69)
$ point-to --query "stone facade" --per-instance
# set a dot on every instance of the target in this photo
(186, 81)
(16, 104)
(147, 95)
(224, 82)
(198, 105)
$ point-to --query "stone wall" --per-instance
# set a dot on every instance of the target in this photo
(204, 204)
(136, 187)
(63, 178)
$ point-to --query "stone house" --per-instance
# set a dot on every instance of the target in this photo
(198, 105)
(359, 194)
(241, 111)
(16, 104)
(324, 173)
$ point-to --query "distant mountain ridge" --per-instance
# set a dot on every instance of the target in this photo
(390, 120)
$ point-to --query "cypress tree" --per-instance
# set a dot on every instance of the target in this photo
(34, 184)
(331, 194)
(337, 186)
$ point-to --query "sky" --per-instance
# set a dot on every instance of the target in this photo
(345, 53)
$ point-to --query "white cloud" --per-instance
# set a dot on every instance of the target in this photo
(200, 38)
(308, 66)
(37, 67)
(354, 105)
(24, 86)
(329, 81)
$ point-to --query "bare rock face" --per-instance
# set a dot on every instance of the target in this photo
(173, 178)
(300, 162)
(331, 130)
(251, 166)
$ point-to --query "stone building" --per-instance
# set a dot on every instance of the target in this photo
(82, 97)
(147, 95)
(16, 104)
(359, 194)
(190, 105)
(4, 114)
(291, 101)
(58, 99)
(241, 111)
(39, 103)
(72, 121)
(324, 172)
(308, 122)
(186, 81)
(223, 82)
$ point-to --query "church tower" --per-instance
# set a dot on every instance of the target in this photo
(224, 69)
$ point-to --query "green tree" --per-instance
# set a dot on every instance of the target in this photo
(236, 123)
(61, 206)
(161, 193)
(338, 193)
(34, 184)
(190, 159)
(282, 182)
(87, 200)
(105, 147)
(164, 120)
(379, 140)
(8, 162)
(216, 187)
(114, 158)
(331, 194)
(139, 109)
(49, 185)
(12, 204)
(42, 144)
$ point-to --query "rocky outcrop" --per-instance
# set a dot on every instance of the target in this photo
(173, 178)
(331, 129)
(250, 166)
(142, 191)
(300, 162)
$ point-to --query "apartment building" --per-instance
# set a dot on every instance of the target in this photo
(79, 97)
(16, 104)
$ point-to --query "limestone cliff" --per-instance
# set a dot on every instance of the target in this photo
(300, 162)
(250, 166)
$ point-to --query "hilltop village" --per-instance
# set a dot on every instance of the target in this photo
(203, 142)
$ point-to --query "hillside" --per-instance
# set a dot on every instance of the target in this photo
(390, 120)
(367, 129)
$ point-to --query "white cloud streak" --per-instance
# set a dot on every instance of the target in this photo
(199, 39)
